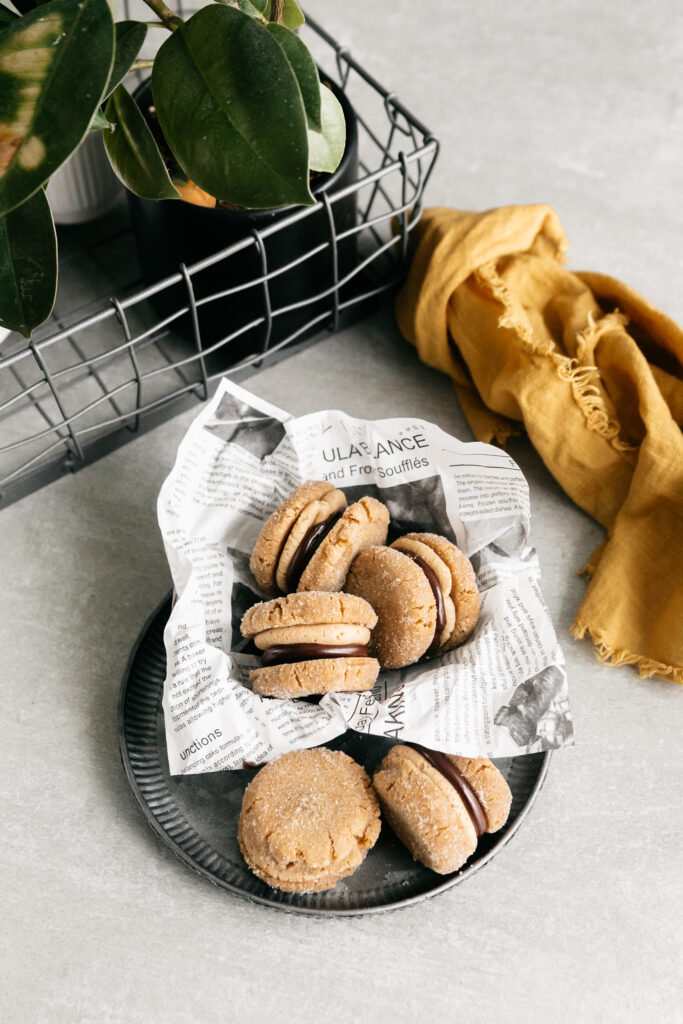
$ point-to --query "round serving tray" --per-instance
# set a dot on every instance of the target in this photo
(196, 815)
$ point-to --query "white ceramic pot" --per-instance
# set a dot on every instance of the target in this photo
(85, 187)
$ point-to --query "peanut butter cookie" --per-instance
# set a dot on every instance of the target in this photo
(307, 820)
(424, 591)
(439, 804)
(312, 643)
(310, 541)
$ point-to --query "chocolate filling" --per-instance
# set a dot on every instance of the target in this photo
(285, 654)
(310, 543)
(446, 768)
(433, 581)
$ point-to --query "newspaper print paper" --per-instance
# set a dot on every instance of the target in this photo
(502, 693)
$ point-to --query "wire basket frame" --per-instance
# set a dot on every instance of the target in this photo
(106, 366)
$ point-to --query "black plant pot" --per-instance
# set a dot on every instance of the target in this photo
(171, 232)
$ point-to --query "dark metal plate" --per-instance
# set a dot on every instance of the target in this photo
(196, 815)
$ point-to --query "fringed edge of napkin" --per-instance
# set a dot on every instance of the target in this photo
(581, 378)
(609, 655)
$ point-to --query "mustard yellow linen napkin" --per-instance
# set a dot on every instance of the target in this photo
(593, 372)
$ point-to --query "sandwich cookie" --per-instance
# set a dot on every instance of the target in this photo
(424, 592)
(439, 804)
(307, 820)
(312, 643)
(309, 542)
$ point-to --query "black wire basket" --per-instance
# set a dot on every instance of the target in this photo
(108, 364)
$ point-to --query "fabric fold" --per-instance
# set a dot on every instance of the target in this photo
(593, 373)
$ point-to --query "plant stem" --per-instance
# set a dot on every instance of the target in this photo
(277, 11)
(141, 65)
(170, 20)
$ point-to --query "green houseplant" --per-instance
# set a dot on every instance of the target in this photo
(237, 97)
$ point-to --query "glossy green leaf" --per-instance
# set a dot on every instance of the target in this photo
(254, 8)
(130, 35)
(132, 150)
(28, 265)
(293, 16)
(54, 66)
(303, 65)
(230, 108)
(326, 148)
(6, 16)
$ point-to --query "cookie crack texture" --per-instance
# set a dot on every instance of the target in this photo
(365, 838)
(314, 805)
(307, 608)
(490, 787)
(276, 529)
(402, 597)
(424, 811)
(307, 678)
(362, 525)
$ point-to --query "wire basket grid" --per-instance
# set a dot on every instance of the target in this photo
(106, 366)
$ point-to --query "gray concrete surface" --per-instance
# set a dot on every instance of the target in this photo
(579, 919)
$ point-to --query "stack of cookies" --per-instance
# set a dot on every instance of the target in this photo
(424, 592)
(310, 542)
(312, 643)
(350, 605)
(316, 638)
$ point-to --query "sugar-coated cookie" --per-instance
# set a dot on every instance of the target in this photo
(462, 594)
(313, 642)
(307, 820)
(309, 542)
(400, 593)
(439, 804)
(424, 591)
